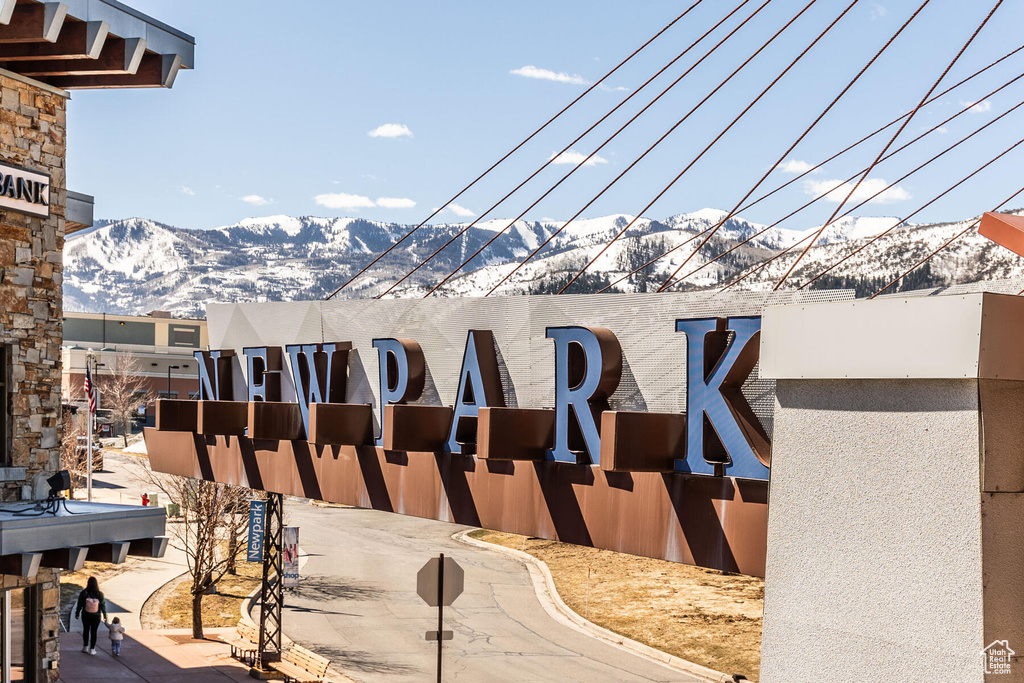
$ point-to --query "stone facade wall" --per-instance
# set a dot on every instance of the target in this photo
(32, 136)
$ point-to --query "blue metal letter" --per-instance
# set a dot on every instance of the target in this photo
(479, 382)
(264, 372)
(402, 373)
(210, 375)
(313, 380)
(715, 407)
(588, 366)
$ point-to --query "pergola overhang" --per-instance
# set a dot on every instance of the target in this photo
(41, 534)
(89, 44)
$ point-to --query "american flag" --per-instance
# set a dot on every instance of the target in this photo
(90, 390)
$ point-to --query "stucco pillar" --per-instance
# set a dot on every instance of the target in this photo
(896, 509)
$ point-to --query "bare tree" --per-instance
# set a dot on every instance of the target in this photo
(124, 390)
(209, 531)
(70, 449)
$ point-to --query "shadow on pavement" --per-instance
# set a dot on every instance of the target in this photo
(362, 662)
(150, 656)
(320, 587)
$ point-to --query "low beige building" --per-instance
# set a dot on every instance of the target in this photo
(155, 351)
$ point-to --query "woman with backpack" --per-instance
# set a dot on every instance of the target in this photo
(90, 605)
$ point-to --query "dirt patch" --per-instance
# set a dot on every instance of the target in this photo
(171, 606)
(701, 615)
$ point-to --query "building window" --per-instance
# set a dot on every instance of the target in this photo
(20, 610)
(184, 335)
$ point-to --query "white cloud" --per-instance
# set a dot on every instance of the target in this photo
(395, 202)
(942, 130)
(837, 191)
(530, 71)
(391, 130)
(977, 107)
(794, 166)
(255, 200)
(341, 200)
(878, 12)
(187, 190)
(460, 211)
(575, 158)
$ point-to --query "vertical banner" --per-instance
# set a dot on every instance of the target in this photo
(291, 556)
(257, 528)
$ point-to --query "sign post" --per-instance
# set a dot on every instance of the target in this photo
(439, 582)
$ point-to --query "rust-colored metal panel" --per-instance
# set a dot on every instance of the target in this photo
(1004, 229)
(341, 424)
(713, 522)
(176, 416)
(415, 427)
(274, 420)
(222, 418)
(642, 442)
(515, 433)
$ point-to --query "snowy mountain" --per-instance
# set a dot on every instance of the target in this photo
(137, 265)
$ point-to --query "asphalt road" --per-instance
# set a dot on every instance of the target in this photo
(357, 604)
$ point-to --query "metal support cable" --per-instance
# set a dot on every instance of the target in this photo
(922, 208)
(841, 183)
(518, 147)
(849, 211)
(807, 131)
(826, 161)
(785, 251)
(614, 135)
(948, 242)
(655, 144)
(753, 189)
(569, 146)
(885, 149)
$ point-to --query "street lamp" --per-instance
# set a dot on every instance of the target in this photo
(169, 368)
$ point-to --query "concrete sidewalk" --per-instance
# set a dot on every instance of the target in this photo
(127, 592)
(169, 656)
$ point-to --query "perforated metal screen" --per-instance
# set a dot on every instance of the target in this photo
(654, 354)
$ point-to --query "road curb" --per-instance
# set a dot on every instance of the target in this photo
(551, 601)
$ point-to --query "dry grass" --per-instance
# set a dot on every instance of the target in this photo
(220, 610)
(701, 615)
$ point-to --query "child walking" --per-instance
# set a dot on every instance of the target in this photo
(116, 636)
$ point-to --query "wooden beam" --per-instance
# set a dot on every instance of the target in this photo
(114, 553)
(7, 11)
(149, 547)
(71, 559)
(25, 564)
(155, 71)
(34, 23)
(118, 58)
(78, 40)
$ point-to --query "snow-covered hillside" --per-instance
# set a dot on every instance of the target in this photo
(137, 265)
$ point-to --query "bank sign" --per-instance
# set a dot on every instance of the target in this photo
(24, 191)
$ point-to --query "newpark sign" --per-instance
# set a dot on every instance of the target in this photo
(635, 423)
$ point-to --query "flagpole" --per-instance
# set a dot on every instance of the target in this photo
(88, 422)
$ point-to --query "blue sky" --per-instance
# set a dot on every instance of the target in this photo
(385, 109)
